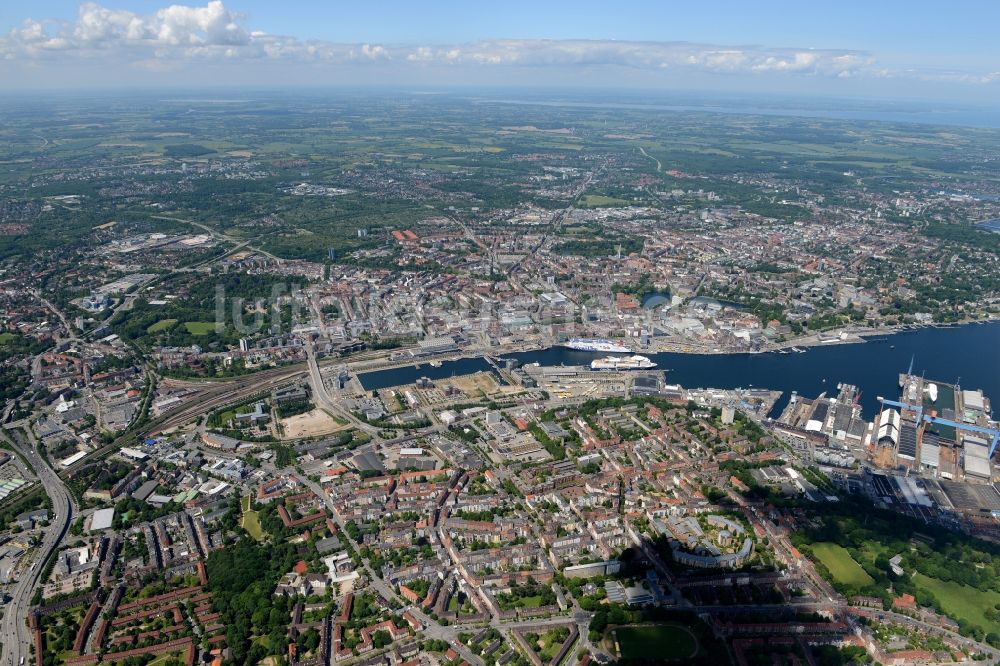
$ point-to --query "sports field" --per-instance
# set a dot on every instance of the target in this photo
(199, 327)
(841, 565)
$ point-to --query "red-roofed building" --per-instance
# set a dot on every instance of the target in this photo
(410, 595)
(412, 621)
(626, 303)
(906, 657)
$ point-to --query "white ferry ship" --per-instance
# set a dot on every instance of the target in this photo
(596, 345)
(622, 363)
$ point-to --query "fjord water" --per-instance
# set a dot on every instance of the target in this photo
(968, 354)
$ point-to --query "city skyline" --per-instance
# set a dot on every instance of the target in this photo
(437, 334)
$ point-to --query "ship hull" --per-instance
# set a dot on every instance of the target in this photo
(620, 364)
(601, 346)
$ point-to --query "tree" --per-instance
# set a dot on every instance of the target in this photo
(381, 638)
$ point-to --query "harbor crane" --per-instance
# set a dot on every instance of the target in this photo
(992, 433)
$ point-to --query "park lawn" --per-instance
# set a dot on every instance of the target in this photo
(199, 327)
(7, 338)
(552, 640)
(656, 641)
(596, 200)
(251, 521)
(962, 602)
(548, 652)
(161, 325)
(841, 565)
(528, 602)
(165, 658)
(273, 660)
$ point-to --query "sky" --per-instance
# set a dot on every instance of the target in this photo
(885, 49)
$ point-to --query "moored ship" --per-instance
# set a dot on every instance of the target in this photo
(596, 345)
(622, 363)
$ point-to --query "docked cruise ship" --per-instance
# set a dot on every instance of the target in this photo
(622, 363)
(596, 345)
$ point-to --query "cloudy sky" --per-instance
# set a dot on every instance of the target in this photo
(876, 48)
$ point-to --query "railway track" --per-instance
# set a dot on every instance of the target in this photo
(213, 397)
(215, 394)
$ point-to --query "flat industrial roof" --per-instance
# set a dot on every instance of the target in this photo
(977, 466)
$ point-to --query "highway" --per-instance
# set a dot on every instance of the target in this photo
(14, 634)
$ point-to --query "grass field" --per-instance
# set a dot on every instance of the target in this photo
(7, 338)
(668, 642)
(528, 602)
(841, 565)
(161, 325)
(251, 521)
(199, 327)
(551, 642)
(961, 601)
(165, 658)
(595, 200)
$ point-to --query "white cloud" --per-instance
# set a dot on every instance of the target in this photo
(645, 55)
(421, 54)
(98, 26)
(180, 34)
(374, 52)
